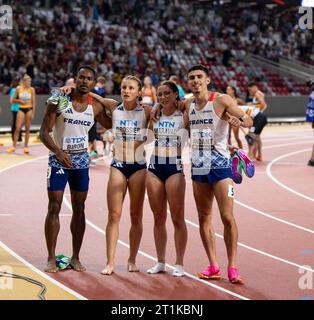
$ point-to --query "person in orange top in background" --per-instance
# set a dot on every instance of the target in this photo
(25, 96)
(148, 92)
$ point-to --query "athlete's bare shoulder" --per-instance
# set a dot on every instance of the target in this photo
(222, 99)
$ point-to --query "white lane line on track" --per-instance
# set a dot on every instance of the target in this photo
(285, 145)
(253, 249)
(269, 174)
(22, 163)
(92, 225)
(6, 214)
(273, 217)
(44, 275)
(288, 139)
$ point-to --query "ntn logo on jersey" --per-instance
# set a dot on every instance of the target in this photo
(166, 124)
(128, 123)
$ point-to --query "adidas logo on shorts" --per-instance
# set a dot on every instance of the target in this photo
(117, 164)
(60, 171)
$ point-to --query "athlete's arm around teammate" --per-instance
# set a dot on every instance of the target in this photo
(109, 104)
(100, 114)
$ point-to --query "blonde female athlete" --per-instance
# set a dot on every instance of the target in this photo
(165, 178)
(25, 96)
(128, 168)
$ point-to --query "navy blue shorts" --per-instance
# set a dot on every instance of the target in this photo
(164, 168)
(219, 169)
(212, 176)
(128, 169)
(57, 179)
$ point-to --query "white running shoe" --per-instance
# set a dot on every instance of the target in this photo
(178, 271)
(157, 268)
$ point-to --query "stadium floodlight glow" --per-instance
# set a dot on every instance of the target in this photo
(307, 3)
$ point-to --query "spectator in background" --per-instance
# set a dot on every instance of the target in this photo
(147, 38)
(310, 115)
(148, 92)
(176, 81)
(108, 86)
(25, 96)
(14, 108)
(255, 150)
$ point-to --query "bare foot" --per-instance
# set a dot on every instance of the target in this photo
(108, 270)
(77, 266)
(51, 267)
(132, 267)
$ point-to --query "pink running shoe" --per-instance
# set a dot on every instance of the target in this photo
(234, 276)
(212, 272)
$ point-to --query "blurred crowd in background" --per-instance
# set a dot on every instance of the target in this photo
(141, 37)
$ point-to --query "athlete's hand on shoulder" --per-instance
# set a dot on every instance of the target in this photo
(67, 89)
(64, 159)
(155, 112)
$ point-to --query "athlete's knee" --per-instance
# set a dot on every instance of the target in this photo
(78, 209)
(204, 216)
(136, 217)
(54, 207)
(178, 223)
(228, 221)
(160, 218)
(114, 217)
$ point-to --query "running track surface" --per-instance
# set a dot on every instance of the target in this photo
(274, 213)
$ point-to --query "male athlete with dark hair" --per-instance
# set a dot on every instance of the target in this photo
(69, 119)
(209, 115)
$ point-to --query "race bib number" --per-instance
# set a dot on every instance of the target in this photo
(230, 191)
(75, 144)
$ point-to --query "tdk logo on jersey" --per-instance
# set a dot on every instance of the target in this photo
(75, 140)
(128, 123)
(166, 124)
(201, 121)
